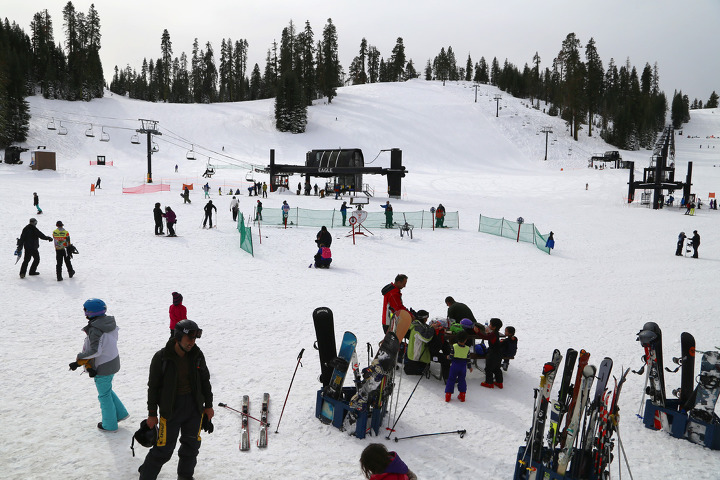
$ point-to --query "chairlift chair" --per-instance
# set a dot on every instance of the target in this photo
(51, 125)
(89, 132)
(155, 147)
(250, 176)
(62, 130)
(190, 155)
(104, 137)
(135, 139)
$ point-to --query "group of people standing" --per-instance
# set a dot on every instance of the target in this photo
(694, 243)
(29, 242)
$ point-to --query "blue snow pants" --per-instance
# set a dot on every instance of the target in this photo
(458, 369)
(110, 405)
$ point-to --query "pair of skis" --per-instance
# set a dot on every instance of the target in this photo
(245, 434)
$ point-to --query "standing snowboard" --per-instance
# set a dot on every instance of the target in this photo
(325, 343)
(706, 397)
(341, 364)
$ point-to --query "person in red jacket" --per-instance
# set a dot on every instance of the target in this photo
(392, 299)
(177, 311)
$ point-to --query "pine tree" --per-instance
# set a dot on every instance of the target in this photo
(468, 69)
(428, 70)
(410, 71)
(256, 86)
(306, 64)
(373, 64)
(330, 64)
(712, 101)
(166, 50)
(594, 82)
(396, 64)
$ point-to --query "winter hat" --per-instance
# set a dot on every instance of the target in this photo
(59, 224)
(177, 298)
(467, 323)
(157, 204)
(422, 314)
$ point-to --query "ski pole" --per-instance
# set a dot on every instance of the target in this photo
(460, 432)
(288, 392)
(627, 464)
(396, 393)
(408, 401)
(224, 405)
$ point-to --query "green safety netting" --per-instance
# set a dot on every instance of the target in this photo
(509, 229)
(245, 235)
(333, 219)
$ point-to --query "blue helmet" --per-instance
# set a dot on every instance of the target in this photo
(94, 307)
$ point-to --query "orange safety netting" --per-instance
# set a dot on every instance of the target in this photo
(146, 188)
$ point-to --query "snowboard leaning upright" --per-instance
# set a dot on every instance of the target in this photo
(325, 343)
(334, 387)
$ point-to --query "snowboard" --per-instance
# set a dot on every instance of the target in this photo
(687, 376)
(262, 439)
(650, 337)
(706, 397)
(325, 343)
(382, 365)
(401, 323)
(334, 388)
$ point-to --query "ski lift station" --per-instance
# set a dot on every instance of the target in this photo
(345, 167)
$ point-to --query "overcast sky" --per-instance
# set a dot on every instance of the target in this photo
(682, 37)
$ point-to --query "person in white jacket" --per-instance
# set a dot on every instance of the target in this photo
(101, 360)
(234, 207)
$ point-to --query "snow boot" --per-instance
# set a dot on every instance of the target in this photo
(100, 427)
(448, 397)
(499, 385)
(487, 385)
(461, 396)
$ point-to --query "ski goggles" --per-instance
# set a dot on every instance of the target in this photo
(193, 333)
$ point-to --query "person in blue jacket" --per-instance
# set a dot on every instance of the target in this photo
(550, 241)
(343, 210)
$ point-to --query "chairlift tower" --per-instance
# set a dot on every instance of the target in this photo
(546, 130)
(497, 98)
(149, 127)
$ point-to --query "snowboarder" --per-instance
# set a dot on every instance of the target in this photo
(208, 213)
(324, 237)
(550, 243)
(457, 311)
(695, 242)
(285, 212)
(36, 203)
(388, 214)
(458, 368)
(62, 250)
(439, 216)
(377, 463)
(97, 183)
(177, 311)
(179, 385)
(392, 299)
(171, 219)
(186, 194)
(234, 207)
(101, 360)
(680, 244)
(323, 257)
(258, 211)
(343, 210)
(158, 214)
(493, 357)
(30, 241)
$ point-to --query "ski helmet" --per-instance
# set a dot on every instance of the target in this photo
(187, 327)
(145, 436)
(422, 315)
(466, 323)
(33, 221)
(94, 307)
(59, 224)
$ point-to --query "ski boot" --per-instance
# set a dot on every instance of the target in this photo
(461, 396)
(487, 385)
(499, 385)
(448, 397)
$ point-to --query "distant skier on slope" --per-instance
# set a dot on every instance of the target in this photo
(208, 213)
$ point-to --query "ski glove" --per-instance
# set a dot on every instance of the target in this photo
(207, 425)
(74, 366)
(91, 372)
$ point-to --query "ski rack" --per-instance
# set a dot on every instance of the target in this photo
(341, 407)
(681, 422)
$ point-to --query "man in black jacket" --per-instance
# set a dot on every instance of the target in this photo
(208, 213)
(30, 241)
(323, 237)
(695, 242)
(179, 384)
(158, 214)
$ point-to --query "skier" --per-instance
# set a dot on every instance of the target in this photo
(377, 463)
(695, 242)
(323, 237)
(171, 219)
(264, 190)
(36, 203)
(458, 368)
(457, 311)
(176, 168)
(97, 184)
(315, 189)
(234, 207)
(179, 384)
(418, 354)
(680, 244)
(493, 357)
(186, 194)
(101, 360)
(208, 213)
(392, 299)
(206, 189)
(30, 241)
(62, 251)
(323, 257)
(388, 214)
(285, 212)
(258, 211)
(343, 210)
(220, 191)
(439, 216)
(177, 311)
(299, 188)
(550, 243)
(157, 213)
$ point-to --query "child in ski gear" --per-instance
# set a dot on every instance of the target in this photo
(177, 311)
(343, 209)
(457, 311)
(170, 218)
(388, 214)
(695, 242)
(508, 347)
(392, 299)
(234, 207)
(379, 464)
(208, 213)
(62, 251)
(30, 241)
(285, 212)
(460, 363)
(493, 357)
(680, 244)
(206, 189)
(323, 257)
(36, 202)
(418, 355)
(157, 213)
(550, 243)
(179, 385)
(324, 237)
(101, 360)
(439, 216)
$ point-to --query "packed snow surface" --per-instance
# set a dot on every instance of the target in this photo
(612, 270)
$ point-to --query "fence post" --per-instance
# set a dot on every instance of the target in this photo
(502, 224)
(332, 219)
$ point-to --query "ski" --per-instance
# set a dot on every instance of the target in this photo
(334, 388)
(611, 422)
(355, 364)
(596, 407)
(262, 439)
(588, 375)
(706, 397)
(560, 406)
(245, 436)
(583, 359)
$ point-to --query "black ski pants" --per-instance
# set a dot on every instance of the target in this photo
(208, 216)
(30, 254)
(62, 256)
(235, 214)
(158, 227)
(171, 229)
(185, 422)
(493, 372)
